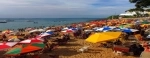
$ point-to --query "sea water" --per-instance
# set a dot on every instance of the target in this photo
(36, 22)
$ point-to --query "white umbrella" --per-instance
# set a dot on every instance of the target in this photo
(49, 30)
(41, 30)
(35, 30)
(148, 36)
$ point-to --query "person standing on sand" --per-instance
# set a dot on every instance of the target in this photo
(4, 37)
(46, 42)
(146, 52)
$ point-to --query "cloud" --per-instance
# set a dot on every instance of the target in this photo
(62, 8)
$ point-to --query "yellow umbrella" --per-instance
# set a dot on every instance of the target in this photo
(13, 38)
(105, 36)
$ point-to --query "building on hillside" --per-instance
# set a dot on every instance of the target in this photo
(133, 13)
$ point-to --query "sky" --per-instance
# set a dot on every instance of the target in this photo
(62, 8)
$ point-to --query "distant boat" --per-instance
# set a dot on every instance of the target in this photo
(35, 22)
(29, 21)
(3, 21)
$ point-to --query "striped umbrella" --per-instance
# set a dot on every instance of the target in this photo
(46, 34)
(33, 40)
(25, 48)
(6, 45)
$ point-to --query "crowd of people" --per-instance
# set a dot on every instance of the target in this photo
(81, 33)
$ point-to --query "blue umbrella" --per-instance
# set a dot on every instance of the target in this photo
(129, 30)
(50, 32)
(106, 28)
(74, 28)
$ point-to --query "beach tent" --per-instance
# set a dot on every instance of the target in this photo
(6, 45)
(105, 36)
(25, 48)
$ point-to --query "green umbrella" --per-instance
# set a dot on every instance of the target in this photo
(145, 22)
(14, 51)
(25, 48)
(121, 26)
(38, 45)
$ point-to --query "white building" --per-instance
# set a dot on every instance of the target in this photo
(132, 13)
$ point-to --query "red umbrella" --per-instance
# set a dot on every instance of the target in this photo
(33, 40)
(68, 30)
(6, 45)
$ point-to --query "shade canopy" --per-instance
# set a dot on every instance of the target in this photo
(6, 45)
(25, 48)
(105, 36)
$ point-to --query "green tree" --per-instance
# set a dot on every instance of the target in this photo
(141, 3)
(147, 10)
(146, 15)
(113, 17)
(135, 9)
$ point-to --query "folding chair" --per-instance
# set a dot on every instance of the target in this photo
(84, 48)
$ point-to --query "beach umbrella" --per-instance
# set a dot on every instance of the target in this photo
(49, 30)
(41, 30)
(13, 38)
(101, 37)
(129, 30)
(145, 22)
(7, 31)
(65, 28)
(32, 40)
(25, 48)
(117, 29)
(148, 36)
(6, 45)
(106, 28)
(35, 30)
(46, 34)
(74, 29)
(29, 29)
(68, 30)
(121, 26)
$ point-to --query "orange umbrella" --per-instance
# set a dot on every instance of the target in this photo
(32, 47)
(26, 48)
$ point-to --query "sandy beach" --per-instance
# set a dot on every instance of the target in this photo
(70, 50)
(75, 41)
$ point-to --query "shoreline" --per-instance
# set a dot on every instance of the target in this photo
(43, 25)
(66, 24)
